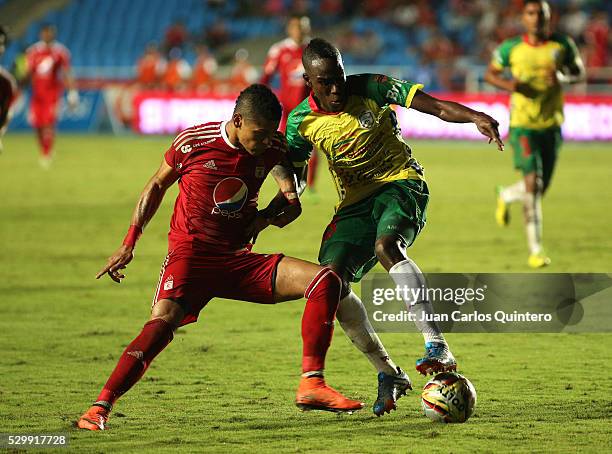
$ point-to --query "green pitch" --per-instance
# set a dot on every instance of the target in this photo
(228, 382)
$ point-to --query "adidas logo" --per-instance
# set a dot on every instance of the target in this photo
(210, 165)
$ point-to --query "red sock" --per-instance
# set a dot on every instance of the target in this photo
(323, 296)
(47, 141)
(40, 137)
(135, 360)
(46, 138)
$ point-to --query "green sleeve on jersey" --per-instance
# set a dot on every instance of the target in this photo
(569, 48)
(384, 90)
(501, 55)
(299, 148)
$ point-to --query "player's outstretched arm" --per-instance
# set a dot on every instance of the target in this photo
(458, 113)
(148, 203)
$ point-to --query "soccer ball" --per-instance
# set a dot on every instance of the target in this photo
(448, 397)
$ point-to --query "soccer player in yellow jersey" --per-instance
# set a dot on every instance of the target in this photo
(383, 195)
(539, 61)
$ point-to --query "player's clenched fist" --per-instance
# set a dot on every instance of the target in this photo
(117, 262)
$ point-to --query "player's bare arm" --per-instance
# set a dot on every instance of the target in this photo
(148, 203)
(495, 77)
(285, 207)
(458, 113)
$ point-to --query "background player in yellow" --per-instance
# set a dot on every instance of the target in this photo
(383, 196)
(539, 62)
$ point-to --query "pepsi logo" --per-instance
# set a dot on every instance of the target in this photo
(230, 194)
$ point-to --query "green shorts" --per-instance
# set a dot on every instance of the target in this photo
(348, 242)
(536, 150)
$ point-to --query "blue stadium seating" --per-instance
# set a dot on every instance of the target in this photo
(115, 33)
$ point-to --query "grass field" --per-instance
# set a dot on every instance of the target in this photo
(228, 382)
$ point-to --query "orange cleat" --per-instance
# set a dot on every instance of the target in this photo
(94, 419)
(314, 394)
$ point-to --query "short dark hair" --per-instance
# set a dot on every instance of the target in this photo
(539, 2)
(4, 33)
(299, 16)
(258, 101)
(318, 49)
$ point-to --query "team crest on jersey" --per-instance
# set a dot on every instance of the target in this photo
(185, 149)
(366, 119)
(230, 195)
(169, 283)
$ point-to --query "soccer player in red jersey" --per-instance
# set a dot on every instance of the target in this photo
(48, 67)
(220, 168)
(8, 88)
(285, 58)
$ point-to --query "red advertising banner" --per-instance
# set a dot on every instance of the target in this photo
(586, 117)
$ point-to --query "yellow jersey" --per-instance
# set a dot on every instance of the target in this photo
(362, 143)
(531, 64)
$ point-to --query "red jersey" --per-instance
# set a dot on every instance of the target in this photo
(46, 63)
(218, 188)
(285, 57)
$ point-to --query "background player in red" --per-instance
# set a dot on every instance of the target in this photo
(285, 59)
(48, 68)
(220, 168)
(8, 88)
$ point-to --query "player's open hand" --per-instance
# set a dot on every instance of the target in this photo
(116, 263)
(489, 127)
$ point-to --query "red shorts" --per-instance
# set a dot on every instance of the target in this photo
(192, 278)
(43, 112)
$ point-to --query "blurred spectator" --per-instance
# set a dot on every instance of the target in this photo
(347, 42)
(274, 7)
(427, 15)
(177, 71)
(300, 7)
(439, 52)
(331, 8)
(176, 36)
(367, 48)
(574, 20)
(405, 14)
(204, 69)
(217, 35)
(150, 68)
(243, 73)
(597, 37)
(373, 8)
